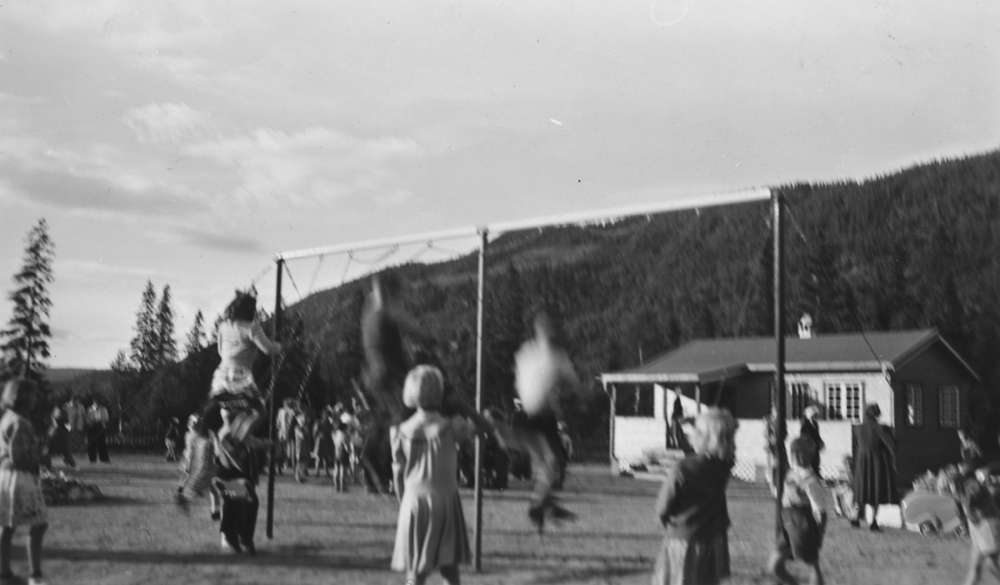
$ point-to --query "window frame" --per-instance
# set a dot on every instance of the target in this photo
(840, 404)
(915, 418)
(797, 405)
(943, 392)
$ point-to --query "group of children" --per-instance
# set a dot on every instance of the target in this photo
(331, 441)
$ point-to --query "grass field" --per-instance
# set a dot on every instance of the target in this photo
(138, 536)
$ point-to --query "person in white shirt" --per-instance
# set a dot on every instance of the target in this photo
(97, 431)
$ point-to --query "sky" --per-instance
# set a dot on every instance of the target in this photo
(185, 143)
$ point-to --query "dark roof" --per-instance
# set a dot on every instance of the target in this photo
(705, 360)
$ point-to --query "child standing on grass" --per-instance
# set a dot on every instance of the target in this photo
(804, 506)
(692, 506)
(21, 500)
(430, 534)
(984, 530)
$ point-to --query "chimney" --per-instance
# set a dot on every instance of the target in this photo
(805, 327)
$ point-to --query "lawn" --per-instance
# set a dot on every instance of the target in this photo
(136, 535)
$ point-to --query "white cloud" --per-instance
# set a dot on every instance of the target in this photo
(167, 123)
(311, 167)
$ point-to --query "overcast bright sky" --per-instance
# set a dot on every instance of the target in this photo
(187, 142)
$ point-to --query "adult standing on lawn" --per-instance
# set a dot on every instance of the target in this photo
(97, 431)
(874, 466)
(810, 430)
(692, 506)
(21, 499)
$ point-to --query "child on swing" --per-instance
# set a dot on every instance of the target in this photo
(803, 515)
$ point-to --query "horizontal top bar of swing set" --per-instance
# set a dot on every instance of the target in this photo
(586, 217)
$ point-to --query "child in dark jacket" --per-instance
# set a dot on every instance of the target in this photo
(692, 506)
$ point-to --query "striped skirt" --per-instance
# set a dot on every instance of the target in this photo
(692, 562)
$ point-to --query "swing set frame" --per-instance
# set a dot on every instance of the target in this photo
(580, 218)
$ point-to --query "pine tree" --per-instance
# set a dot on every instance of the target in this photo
(166, 347)
(27, 335)
(196, 338)
(145, 344)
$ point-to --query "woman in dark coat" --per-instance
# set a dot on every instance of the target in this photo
(810, 430)
(874, 465)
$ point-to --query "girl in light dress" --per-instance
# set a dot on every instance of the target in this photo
(430, 534)
(21, 499)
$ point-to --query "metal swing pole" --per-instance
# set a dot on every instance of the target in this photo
(780, 430)
(272, 431)
(477, 549)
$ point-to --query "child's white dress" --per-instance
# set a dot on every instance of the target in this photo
(21, 499)
(431, 530)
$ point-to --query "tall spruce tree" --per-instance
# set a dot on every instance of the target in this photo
(166, 347)
(26, 337)
(145, 344)
(196, 338)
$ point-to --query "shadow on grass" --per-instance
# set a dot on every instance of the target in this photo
(107, 501)
(288, 556)
(580, 575)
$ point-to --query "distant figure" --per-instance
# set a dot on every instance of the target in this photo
(323, 443)
(804, 513)
(284, 422)
(431, 532)
(21, 499)
(97, 431)
(692, 506)
(172, 438)
(303, 429)
(874, 466)
(674, 436)
(59, 439)
(341, 455)
(810, 430)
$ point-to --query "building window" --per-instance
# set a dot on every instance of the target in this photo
(948, 407)
(914, 405)
(635, 401)
(799, 395)
(844, 400)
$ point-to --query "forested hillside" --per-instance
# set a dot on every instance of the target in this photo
(914, 249)
(919, 248)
